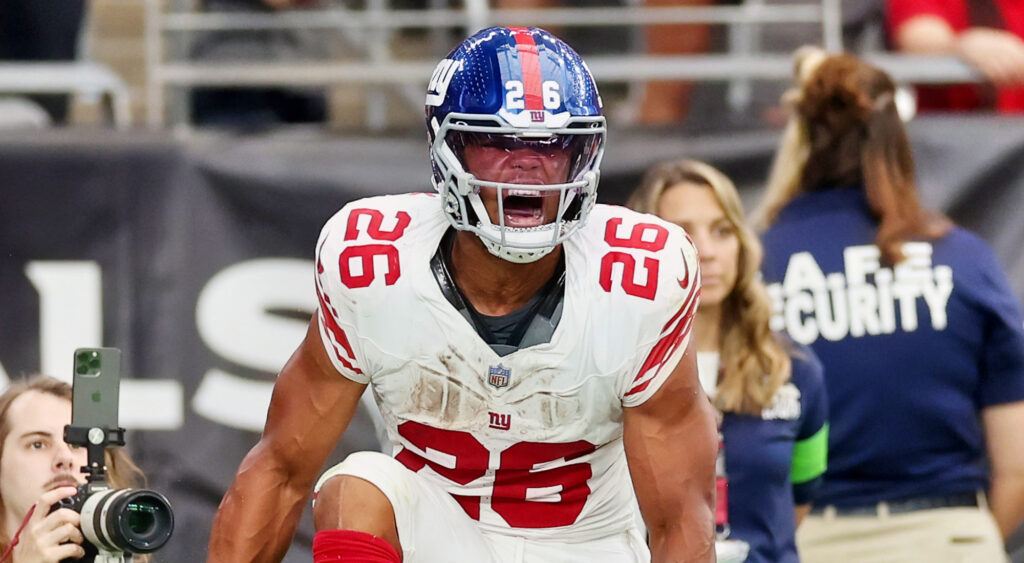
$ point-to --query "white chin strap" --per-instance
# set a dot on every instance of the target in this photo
(509, 251)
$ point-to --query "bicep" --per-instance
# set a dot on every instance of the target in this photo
(671, 441)
(310, 408)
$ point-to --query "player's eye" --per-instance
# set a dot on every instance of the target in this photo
(37, 445)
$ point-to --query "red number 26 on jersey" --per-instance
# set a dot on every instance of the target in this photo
(364, 254)
(635, 241)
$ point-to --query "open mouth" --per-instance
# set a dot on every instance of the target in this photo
(523, 208)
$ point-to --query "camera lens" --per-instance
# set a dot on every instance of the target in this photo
(141, 521)
(132, 520)
(139, 518)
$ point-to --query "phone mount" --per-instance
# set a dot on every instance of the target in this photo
(95, 440)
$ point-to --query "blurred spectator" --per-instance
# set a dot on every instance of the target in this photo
(863, 30)
(256, 108)
(665, 101)
(985, 33)
(769, 392)
(915, 323)
(41, 31)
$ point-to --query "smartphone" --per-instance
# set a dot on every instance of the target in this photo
(96, 386)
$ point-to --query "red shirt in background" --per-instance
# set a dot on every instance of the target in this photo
(967, 97)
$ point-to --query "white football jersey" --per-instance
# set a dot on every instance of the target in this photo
(529, 443)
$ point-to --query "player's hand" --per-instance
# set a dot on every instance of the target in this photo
(50, 538)
(999, 55)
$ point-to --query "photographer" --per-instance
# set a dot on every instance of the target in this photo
(37, 469)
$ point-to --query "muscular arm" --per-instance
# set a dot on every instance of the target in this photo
(671, 441)
(1006, 455)
(311, 406)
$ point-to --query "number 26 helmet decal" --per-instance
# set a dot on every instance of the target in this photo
(515, 89)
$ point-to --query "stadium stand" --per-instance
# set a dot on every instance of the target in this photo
(379, 52)
(372, 31)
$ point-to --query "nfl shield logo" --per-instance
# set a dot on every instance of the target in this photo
(498, 376)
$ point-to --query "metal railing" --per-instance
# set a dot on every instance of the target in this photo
(88, 79)
(377, 23)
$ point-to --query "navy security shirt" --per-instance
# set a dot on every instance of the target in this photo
(759, 460)
(911, 353)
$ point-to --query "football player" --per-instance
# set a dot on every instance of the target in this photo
(529, 350)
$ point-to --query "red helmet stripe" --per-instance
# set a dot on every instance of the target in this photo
(529, 60)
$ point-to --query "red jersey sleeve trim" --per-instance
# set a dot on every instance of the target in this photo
(329, 318)
(674, 333)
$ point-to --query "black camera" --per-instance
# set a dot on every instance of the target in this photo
(114, 522)
(121, 520)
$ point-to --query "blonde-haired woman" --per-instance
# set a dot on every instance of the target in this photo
(774, 415)
(914, 321)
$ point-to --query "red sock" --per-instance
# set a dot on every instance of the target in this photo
(351, 546)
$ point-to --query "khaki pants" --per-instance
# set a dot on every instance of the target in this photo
(941, 535)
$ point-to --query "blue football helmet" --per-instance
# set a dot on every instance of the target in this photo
(514, 88)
